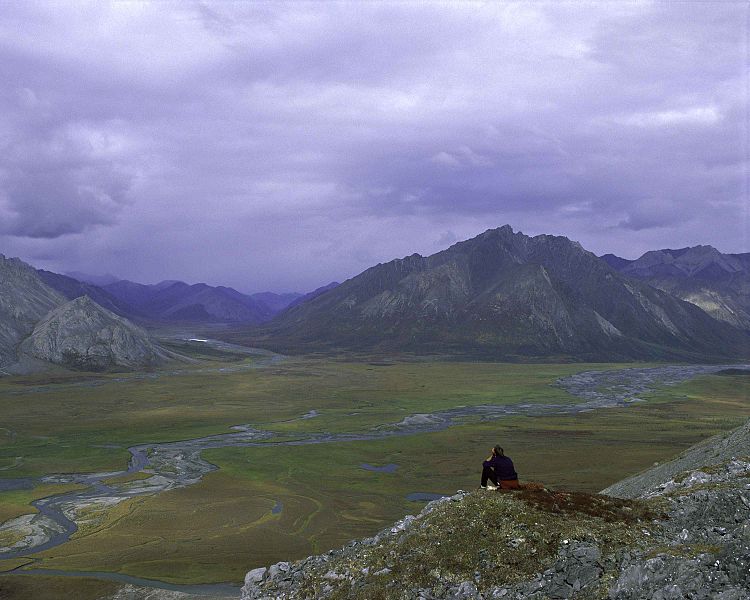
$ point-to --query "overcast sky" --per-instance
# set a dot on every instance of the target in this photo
(273, 146)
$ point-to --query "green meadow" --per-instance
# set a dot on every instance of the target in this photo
(271, 503)
(71, 425)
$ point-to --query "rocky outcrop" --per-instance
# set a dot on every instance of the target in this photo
(82, 335)
(686, 535)
(24, 300)
(701, 548)
(716, 450)
(534, 544)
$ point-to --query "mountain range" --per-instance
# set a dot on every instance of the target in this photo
(502, 295)
(173, 301)
(48, 318)
(718, 283)
(24, 301)
(180, 301)
(72, 288)
(82, 335)
(40, 327)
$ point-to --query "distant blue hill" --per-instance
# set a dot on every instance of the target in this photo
(174, 301)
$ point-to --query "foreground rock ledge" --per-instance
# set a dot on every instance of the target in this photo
(686, 535)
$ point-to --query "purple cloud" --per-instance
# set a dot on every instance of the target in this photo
(285, 145)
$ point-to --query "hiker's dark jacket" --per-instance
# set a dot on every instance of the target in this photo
(503, 466)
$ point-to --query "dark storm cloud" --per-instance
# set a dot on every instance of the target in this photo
(60, 181)
(60, 172)
(273, 145)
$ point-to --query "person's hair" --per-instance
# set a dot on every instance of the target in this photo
(499, 451)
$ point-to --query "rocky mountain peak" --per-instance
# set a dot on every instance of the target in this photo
(697, 261)
(24, 300)
(83, 335)
(16, 267)
(503, 231)
(501, 294)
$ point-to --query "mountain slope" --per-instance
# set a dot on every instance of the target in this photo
(314, 294)
(615, 261)
(82, 335)
(717, 450)
(24, 300)
(98, 280)
(718, 283)
(682, 535)
(73, 288)
(130, 293)
(503, 295)
(276, 302)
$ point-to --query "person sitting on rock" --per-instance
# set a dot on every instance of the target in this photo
(499, 469)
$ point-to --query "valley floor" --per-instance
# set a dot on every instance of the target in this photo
(270, 502)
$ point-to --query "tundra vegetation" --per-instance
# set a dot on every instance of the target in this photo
(269, 503)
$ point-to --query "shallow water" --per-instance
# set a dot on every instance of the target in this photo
(390, 468)
(424, 496)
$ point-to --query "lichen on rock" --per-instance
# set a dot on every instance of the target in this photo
(472, 545)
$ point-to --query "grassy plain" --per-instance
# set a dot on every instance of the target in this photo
(40, 587)
(218, 529)
(15, 503)
(73, 426)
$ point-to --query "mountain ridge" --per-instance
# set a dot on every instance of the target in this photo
(82, 335)
(73, 288)
(24, 300)
(503, 295)
(173, 300)
(702, 275)
(41, 327)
